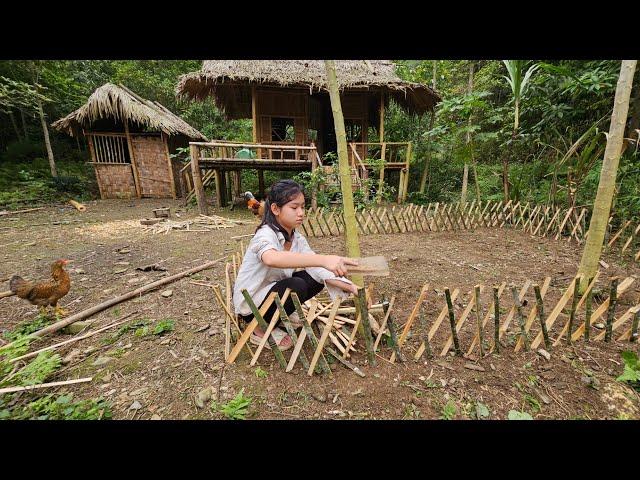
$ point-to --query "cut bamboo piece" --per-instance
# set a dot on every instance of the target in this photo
(322, 362)
(496, 316)
(297, 349)
(365, 326)
(227, 323)
(323, 337)
(267, 333)
(588, 312)
(438, 322)
(488, 315)
(574, 303)
(612, 309)
(218, 295)
(523, 332)
(555, 312)
(534, 310)
(582, 300)
(44, 385)
(458, 325)
(387, 311)
(512, 311)
(344, 362)
(251, 327)
(425, 338)
(412, 316)
(476, 294)
(624, 285)
(629, 314)
(284, 318)
(452, 324)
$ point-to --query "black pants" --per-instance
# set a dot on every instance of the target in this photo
(301, 283)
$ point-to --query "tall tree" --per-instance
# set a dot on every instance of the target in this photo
(606, 185)
(351, 230)
(465, 175)
(518, 81)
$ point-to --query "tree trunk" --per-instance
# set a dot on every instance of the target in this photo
(24, 125)
(15, 126)
(606, 186)
(47, 141)
(634, 125)
(351, 229)
(465, 175)
(435, 68)
(505, 177)
(425, 172)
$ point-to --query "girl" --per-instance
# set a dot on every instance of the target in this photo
(272, 255)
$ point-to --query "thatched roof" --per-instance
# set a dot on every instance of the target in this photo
(119, 103)
(225, 80)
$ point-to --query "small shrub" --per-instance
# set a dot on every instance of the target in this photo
(163, 326)
(449, 410)
(237, 408)
(631, 373)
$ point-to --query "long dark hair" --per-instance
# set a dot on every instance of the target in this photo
(280, 193)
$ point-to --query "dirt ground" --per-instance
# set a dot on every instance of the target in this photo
(153, 376)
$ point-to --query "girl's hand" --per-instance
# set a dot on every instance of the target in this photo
(338, 265)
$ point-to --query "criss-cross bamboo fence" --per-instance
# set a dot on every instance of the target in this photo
(562, 224)
(534, 316)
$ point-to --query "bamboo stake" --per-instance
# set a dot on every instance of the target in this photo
(394, 340)
(227, 323)
(476, 291)
(624, 285)
(612, 309)
(486, 319)
(540, 308)
(303, 334)
(365, 327)
(452, 321)
(618, 323)
(572, 314)
(496, 317)
(634, 327)
(387, 306)
(250, 328)
(267, 333)
(460, 321)
(324, 366)
(523, 332)
(323, 337)
(412, 316)
(438, 322)
(582, 300)
(258, 316)
(218, 295)
(555, 312)
(290, 330)
(587, 321)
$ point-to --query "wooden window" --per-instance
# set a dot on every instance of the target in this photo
(283, 129)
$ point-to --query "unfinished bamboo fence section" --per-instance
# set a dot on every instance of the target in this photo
(538, 220)
(333, 330)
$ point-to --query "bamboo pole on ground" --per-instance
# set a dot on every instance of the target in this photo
(612, 309)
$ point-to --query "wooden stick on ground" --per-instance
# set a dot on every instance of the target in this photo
(114, 301)
(8, 293)
(44, 385)
(344, 362)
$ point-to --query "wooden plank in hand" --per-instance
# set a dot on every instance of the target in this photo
(376, 266)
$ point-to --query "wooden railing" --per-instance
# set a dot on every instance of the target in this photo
(232, 154)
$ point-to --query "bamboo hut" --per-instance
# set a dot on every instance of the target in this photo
(289, 104)
(130, 140)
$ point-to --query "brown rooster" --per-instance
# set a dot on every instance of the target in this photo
(44, 293)
(256, 207)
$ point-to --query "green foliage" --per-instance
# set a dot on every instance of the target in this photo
(449, 411)
(238, 408)
(163, 326)
(481, 411)
(260, 373)
(516, 415)
(62, 407)
(136, 326)
(29, 326)
(34, 372)
(631, 373)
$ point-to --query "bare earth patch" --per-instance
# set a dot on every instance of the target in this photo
(159, 376)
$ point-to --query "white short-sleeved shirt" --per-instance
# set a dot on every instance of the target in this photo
(258, 278)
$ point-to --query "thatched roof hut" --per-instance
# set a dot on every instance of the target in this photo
(230, 82)
(120, 103)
